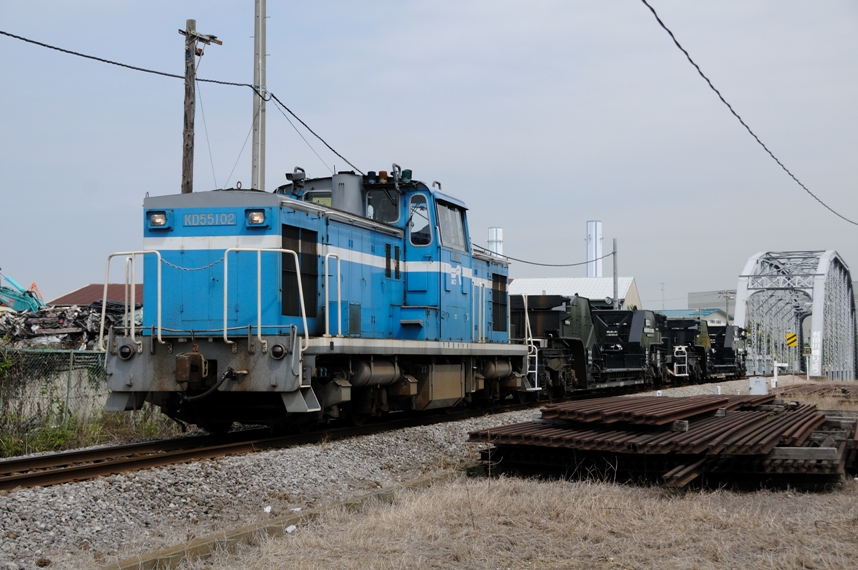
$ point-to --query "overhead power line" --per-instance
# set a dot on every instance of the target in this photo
(176, 76)
(735, 114)
(543, 264)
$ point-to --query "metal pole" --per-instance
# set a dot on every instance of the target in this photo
(191, 51)
(68, 388)
(616, 279)
(3, 371)
(259, 82)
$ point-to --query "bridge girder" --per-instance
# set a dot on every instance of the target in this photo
(777, 291)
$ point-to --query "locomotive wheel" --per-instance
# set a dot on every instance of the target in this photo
(216, 427)
(358, 418)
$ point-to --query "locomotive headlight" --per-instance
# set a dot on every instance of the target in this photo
(126, 351)
(157, 219)
(277, 351)
(255, 217)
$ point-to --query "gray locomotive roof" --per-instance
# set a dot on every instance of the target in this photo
(214, 199)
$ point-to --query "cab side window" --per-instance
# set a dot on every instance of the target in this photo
(382, 206)
(419, 226)
(452, 227)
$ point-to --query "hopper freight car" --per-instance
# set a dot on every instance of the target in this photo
(727, 351)
(575, 347)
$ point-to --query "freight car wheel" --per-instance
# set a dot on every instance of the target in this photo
(523, 397)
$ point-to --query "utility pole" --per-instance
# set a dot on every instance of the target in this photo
(727, 294)
(191, 51)
(616, 279)
(257, 178)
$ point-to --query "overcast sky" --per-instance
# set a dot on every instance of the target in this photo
(540, 115)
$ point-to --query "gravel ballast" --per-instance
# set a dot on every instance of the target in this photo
(81, 525)
(112, 518)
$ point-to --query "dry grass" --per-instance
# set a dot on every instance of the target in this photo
(516, 523)
(824, 402)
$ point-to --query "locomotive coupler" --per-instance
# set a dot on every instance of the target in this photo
(228, 373)
(192, 369)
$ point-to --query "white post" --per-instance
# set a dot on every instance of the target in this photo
(616, 279)
(776, 365)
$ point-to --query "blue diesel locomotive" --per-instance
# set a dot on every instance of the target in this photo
(350, 295)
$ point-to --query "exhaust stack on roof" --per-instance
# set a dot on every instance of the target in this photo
(594, 248)
(496, 240)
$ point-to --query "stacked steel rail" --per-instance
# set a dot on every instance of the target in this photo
(682, 438)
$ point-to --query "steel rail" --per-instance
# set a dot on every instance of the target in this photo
(57, 460)
(53, 469)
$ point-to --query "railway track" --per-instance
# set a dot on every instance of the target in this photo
(71, 466)
(82, 465)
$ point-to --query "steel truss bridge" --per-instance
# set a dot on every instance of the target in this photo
(777, 291)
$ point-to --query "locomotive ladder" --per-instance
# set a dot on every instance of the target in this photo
(680, 361)
(532, 351)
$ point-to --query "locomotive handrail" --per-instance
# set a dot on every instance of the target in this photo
(129, 320)
(532, 349)
(482, 327)
(259, 252)
(508, 319)
(478, 307)
(132, 256)
(474, 311)
(339, 299)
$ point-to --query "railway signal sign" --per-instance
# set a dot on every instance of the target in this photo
(792, 339)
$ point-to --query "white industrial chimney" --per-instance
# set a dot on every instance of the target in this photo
(496, 240)
(594, 248)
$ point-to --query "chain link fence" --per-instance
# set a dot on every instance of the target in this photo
(54, 399)
(46, 388)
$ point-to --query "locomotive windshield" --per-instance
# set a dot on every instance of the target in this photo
(418, 221)
(452, 226)
(382, 206)
(320, 197)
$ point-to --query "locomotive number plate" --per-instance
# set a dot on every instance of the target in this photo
(207, 219)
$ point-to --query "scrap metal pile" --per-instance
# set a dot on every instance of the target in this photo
(58, 327)
(721, 438)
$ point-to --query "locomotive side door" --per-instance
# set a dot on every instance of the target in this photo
(420, 311)
(455, 272)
